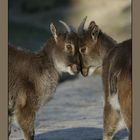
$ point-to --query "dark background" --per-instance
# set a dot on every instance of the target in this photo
(29, 19)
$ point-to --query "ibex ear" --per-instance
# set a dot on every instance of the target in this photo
(53, 31)
(91, 25)
(94, 29)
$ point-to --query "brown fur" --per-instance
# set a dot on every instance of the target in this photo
(117, 68)
(33, 78)
(99, 51)
(93, 50)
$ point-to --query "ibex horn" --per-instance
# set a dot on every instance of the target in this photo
(66, 26)
(81, 26)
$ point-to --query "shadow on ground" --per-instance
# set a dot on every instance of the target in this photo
(83, 133)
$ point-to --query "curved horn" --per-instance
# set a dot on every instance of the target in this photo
(81, 26)
(66, 26)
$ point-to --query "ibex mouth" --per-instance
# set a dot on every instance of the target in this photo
(85, 71)
(74, 68)
(88, 71)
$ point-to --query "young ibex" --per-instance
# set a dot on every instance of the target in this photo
(99, 50)
(33, 77)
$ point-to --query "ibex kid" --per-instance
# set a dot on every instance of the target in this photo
(98, 50)
(33, 77)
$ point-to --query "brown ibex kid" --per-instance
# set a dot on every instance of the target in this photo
(33, 77)
(98, 50)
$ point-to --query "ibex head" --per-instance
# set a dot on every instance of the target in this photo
(89, 47)
(65, 54)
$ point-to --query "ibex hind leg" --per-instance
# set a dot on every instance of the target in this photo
(111, 120)
(126, 109)
(129, 127)
(25, 118)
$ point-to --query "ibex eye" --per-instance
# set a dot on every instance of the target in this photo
(69, 47)
(83, 50)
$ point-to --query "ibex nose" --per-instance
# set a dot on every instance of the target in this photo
(84, 72)
(75, 68)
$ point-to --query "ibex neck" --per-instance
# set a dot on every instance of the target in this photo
(46, 54)
(106, 43)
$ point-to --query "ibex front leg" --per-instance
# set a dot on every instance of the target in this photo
(9, 124)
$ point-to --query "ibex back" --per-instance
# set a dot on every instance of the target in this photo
(98, 50)
(33, 77)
